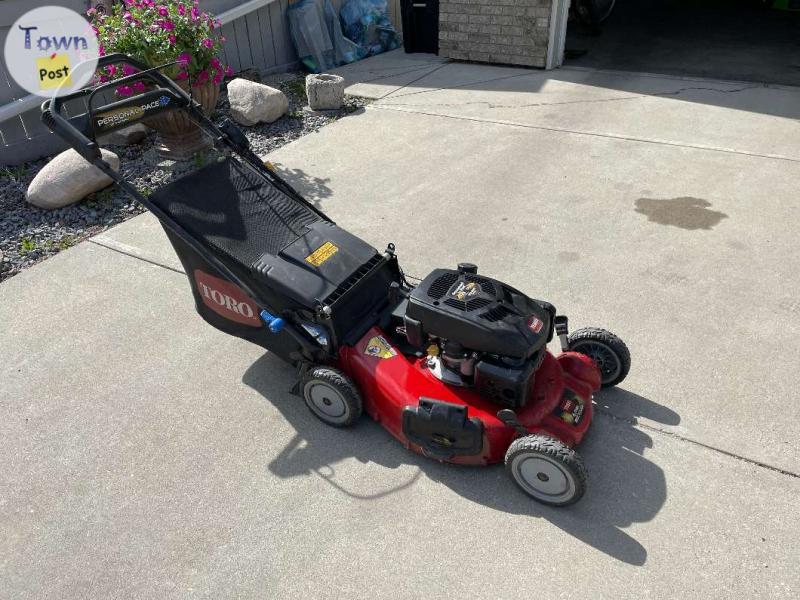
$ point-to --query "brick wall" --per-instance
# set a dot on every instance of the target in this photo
(511, 32)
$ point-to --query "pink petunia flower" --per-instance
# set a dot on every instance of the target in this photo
(127, 16)
(139, 86)
(184, 59)
(181, 9)
(208, 43)
(167, 25)
(129, 70)
(195, 13)
(229, 71)
(217, 77)
(91, 12)
(124, 90)
(163, 11)
(215, 63)
(202, 76)
(111, 70)
(172, 40)
(101, 50)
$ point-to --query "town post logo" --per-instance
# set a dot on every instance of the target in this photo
(46, 45)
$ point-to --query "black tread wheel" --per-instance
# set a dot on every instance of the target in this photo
(546, 469)
(609, 353)
(331, 396)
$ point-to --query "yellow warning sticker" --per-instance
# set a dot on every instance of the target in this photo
(321, 254)
(379, 348)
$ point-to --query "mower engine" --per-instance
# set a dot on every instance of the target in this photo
(479, 332)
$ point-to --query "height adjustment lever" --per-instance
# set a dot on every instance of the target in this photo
(562, 331)
(509, 417)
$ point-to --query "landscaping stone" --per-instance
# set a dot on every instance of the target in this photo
(135, 134)
(325, 92)
(252, 103)
(68, 178)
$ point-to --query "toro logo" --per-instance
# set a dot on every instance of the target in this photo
(226, 299)
(535, 324)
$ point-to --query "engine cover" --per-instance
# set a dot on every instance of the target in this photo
(480, 313)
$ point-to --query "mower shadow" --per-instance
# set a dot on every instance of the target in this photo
(314, 189)
(623, 404)
(625, 488)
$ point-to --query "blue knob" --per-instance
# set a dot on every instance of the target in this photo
(273, 323)
(276, 325)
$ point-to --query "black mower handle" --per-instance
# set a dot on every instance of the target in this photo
(80, 131)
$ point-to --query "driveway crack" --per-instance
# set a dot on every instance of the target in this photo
(492, 105)
(637, 423)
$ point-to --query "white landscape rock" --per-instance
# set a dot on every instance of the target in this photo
(253, 103)
(324, 91)
(68, 178)
(127, 136)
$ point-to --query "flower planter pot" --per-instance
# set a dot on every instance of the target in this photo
(178, 137)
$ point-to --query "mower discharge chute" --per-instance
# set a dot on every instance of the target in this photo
(455, 367)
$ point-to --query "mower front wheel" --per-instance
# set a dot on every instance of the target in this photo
(332, 396)
(546, 469)
(608, 352)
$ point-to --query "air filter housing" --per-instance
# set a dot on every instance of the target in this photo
(482, 314)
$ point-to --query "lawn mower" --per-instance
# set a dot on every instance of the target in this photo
(455, 365)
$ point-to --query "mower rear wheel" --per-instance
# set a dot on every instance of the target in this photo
(546, 469)
(609, 353)
(332, 396)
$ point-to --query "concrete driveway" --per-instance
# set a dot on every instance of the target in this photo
(146, 455)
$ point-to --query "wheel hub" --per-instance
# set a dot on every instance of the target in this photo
(543, 478)
(605, 358)
(327, 401)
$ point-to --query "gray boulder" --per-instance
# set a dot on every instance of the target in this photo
(325, 92)
(253, 103)
(127, 136)
(68, 178)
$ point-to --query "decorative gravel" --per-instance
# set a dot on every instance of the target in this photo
(29, 234)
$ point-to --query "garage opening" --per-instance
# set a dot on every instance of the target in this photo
(741, 40)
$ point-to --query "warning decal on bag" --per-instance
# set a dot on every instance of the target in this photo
(321, 254)
(379, 348)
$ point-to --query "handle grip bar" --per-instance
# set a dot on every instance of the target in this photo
(80, 131)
